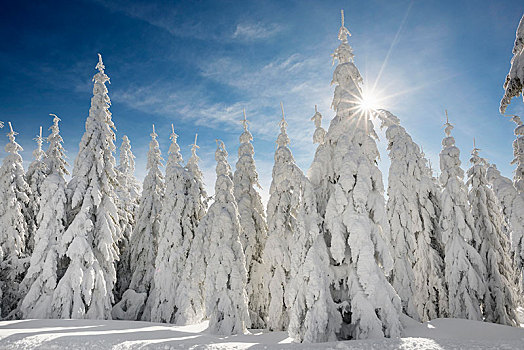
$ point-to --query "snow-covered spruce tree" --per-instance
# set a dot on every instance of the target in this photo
(499, 300)
(512, 204)
(42, 276)
(171, 252)
(90, 241)
(253, 223)
(189, 298)
(128, 195)
(353, 218)
(319, 136)
(226, 301)
(144, 241)
(314, 316)
(296, 256)
(181, 211)
(14, 196)
(514, 84)
(36, 173)
(464, 268)
(284, 200)
(517, 211)
(323, 153)
(413, 211)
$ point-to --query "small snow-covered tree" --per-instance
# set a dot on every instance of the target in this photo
(413, 211)
(225, 281)
(514, 84)
(36, 173)
(499, 301)
(464, 268)
(14, 196)
(144, 241)
(352, 206)
(253, 222)
(90, 241)
(42, 276)
(128, 195)
(181, 211)
(189, 298)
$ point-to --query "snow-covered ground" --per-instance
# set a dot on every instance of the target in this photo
(123, 335)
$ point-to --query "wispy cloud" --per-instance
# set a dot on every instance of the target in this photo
(256, 31)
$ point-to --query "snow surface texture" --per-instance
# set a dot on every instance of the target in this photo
(90, 241)
(514, 84)
(413, 209)
(253, 223)
(440, 334)
(351, 201)
(499, 302)
(14, 196)
(464, 268)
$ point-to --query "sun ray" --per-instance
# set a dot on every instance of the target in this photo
(393, 43)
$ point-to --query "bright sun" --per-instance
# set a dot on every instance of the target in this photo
(369, 101)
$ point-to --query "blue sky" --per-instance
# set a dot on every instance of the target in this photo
(198, 63)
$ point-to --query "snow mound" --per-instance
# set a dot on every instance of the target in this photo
(129, 335)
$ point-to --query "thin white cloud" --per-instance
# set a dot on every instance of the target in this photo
(256, 31)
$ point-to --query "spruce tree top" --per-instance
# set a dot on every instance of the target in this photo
(127, 158)
(38, 153)
(55, 160)
(224, 182)
(174, 156)
(13, 147)
(282, 139)
(450, 156)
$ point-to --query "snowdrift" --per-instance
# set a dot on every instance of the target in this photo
(124, 335)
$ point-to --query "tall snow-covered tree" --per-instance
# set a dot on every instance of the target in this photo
(253, 223)
(226, 301)
(517, 210)
(42, 276)
(128, 195)
(284, 200)
(189, 298)
(499, 301)
(352, 207)
(144, 241)
(512, 204)
(464, 268)
(413, 209)
(90, 241)
(514, 84)
(14, 196)
(296, 256)
(36, 173)
(314, 316)
(181, 212)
